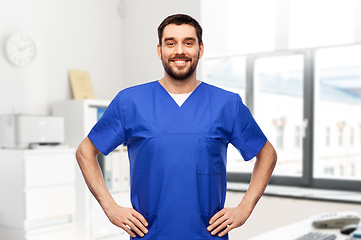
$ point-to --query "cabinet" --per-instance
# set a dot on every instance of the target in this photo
(37, 194)
(92, 224)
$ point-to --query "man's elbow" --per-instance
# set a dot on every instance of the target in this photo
(274, 157)
(80, 153)
(86, 149)
(269, 152)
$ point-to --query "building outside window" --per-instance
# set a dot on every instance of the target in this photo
(280, 133)
(340, 135)
(328, 136)
(329, 171)
(298, 137)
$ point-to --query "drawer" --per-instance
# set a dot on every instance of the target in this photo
(55, 233)
(49, 169)
(49, 205)
(124, 236)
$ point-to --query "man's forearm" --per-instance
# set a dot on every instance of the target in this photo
(86, 156)
(263, 168)
(126, 218)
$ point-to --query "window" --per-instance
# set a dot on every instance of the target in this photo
(228, 73)
(316, 98)
(328, 136)
(342, 170)
(329, 171)
(353, 170)
(279, 141)
(297, 137)
(340, 135)
(306, 98)
(337, 103)
(278, 106)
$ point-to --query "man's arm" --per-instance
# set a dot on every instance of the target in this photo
(125, 218)
(230, 218)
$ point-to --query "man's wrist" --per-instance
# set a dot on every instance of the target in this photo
(108, 204)
(247, 204)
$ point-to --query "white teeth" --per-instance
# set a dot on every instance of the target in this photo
(179, 61)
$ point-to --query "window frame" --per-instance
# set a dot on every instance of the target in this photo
(307, 179)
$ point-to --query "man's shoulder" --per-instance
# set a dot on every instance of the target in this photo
(137, 90)
(140, 87)
(134, 93)
(217, 91)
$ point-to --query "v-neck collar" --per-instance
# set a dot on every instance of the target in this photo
(169, 96)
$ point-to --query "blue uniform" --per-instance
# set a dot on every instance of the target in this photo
(177, 154)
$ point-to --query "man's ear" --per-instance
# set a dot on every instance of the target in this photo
(159, 51)
(201, 50)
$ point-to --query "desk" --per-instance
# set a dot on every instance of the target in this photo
(293, 231)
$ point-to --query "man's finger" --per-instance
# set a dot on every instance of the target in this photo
(216, 216)
(140, 217)
(139, 225)
(215, 224)
(130, 232)
(219, 228)
(225, 231)
(135, 229)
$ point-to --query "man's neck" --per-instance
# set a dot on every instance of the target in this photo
(179, 86)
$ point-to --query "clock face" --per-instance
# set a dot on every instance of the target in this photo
(20, 50)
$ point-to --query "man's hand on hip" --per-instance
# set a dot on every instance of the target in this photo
(227, 219)
(129, 220)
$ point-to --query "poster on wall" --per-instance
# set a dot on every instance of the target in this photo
(81, 84)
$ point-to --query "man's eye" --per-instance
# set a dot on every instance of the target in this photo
(170, 44)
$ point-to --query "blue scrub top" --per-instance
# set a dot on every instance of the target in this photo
(177, 154)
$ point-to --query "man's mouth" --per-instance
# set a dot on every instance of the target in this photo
(180, 62)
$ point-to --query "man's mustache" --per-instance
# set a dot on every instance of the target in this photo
(180, 58)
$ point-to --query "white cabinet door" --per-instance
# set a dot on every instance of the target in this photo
(56, 233)
(53, 168)
(117, 237)
(49, 205)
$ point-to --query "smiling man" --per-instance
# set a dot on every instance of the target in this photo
(179, 54)
(177, 131)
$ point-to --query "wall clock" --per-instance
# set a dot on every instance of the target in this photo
(20, 49)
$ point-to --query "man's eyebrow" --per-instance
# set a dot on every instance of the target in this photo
(190, 39)
(186, 39)
(169, 39)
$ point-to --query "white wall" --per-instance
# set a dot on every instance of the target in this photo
(140, 60)
(81, 34)
(87, 35)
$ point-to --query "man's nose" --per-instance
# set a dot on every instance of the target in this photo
(179, 49)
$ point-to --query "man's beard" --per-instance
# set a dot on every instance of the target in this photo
(180, 75)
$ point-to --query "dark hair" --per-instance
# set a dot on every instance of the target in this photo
(179, 19)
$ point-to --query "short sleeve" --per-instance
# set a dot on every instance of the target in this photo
(108, 133)
(247, 137)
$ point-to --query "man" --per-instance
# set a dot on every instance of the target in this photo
(177, 130)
